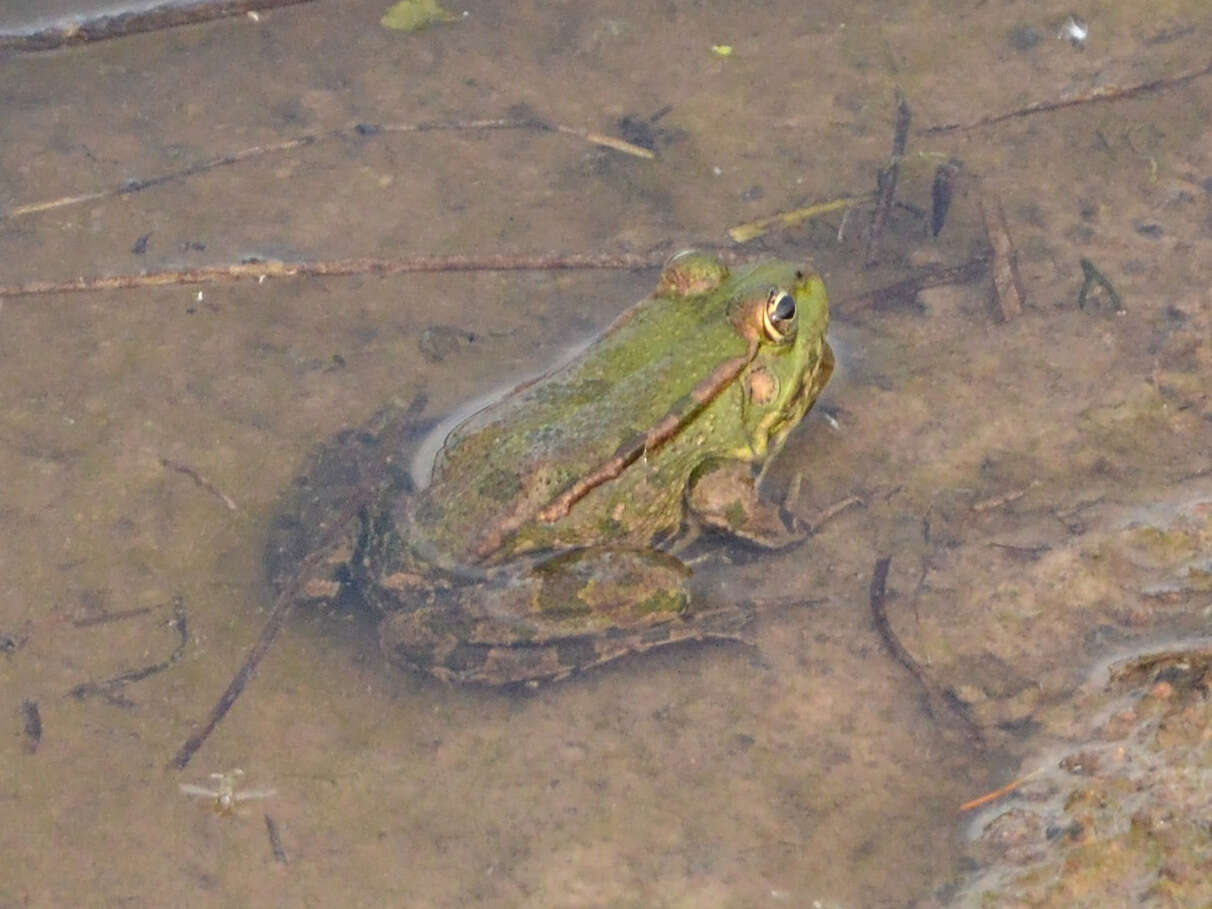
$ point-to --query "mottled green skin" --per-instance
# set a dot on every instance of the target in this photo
(540, 545)
(513, 457)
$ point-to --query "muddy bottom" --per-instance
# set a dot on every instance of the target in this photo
(1040, 482)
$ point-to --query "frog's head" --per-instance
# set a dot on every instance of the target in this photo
(781, 310)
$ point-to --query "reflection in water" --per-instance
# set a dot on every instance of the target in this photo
(51, 25)
(32, 15)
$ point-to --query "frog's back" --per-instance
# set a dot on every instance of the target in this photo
(508, 461)
(513, 471)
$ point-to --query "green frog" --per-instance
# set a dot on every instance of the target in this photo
(545, 539)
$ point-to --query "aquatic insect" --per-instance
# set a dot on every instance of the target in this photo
(1075, 31)
(224, 792)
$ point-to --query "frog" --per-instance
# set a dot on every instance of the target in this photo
(548, 535)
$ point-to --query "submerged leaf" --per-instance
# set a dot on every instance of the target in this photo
(412, 15)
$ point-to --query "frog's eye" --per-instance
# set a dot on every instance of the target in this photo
(778, 318)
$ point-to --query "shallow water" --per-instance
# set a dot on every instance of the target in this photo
(1007, 468)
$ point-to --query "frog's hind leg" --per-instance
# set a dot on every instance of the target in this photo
(450, 643)
(726, 623)
(720, 623)
(572, 613)
(458, 659)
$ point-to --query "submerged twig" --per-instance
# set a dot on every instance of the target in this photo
(1093, 279)
(879, 615)
(31, 719)
(357, 129)
(832, 512)
(261, 270)
(751, 230)
(78, 30)
(887, 178)
(105, 618)
(275, 840)
(999, 792)
(942, 188)
(278, 614)
(1007, 286)
(937, 698)
(1102, 93)
(109, 688)
(1004, 498)
(596, 138)
(908, 287)
(200, 481)
(1022, 553)
(284, 603)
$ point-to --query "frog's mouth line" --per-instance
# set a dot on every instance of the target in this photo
(800, 403)
(790, 418)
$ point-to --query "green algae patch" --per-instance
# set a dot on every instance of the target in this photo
(414, 15)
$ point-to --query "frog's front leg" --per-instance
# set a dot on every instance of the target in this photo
(723, 495)
(566, 614)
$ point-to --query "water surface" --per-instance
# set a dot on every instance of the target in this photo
(999, 463)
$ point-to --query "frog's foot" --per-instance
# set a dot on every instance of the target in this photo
(724, 497)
